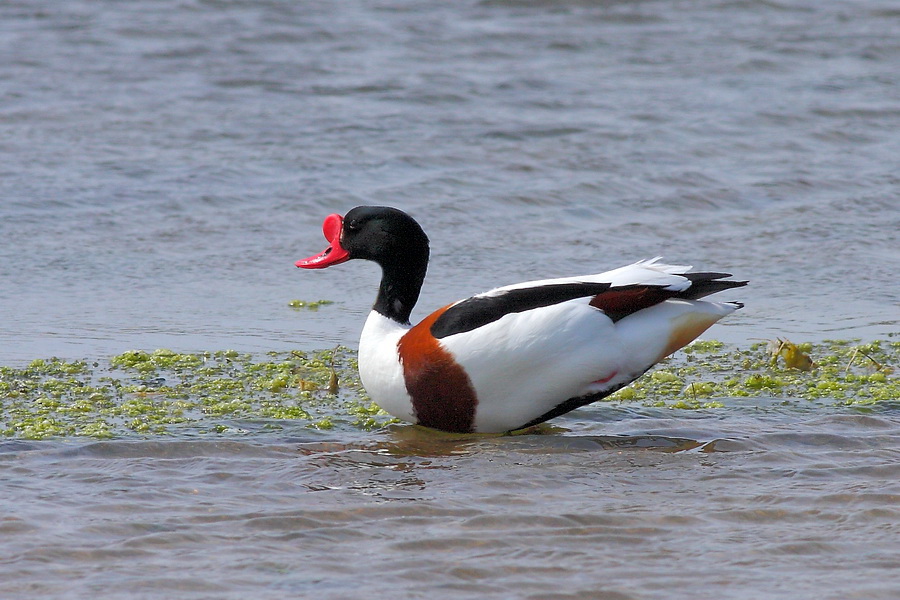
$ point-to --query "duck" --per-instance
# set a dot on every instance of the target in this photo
(518, 355)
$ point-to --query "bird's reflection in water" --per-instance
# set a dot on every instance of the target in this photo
(415, 441)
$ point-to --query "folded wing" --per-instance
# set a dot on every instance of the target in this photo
(617, 293)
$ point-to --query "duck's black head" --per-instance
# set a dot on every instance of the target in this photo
(387, 236)
(378, 233)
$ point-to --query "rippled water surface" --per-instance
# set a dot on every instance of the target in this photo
(742, 502)
(164, 162)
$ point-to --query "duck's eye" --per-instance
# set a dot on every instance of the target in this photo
(353, 225)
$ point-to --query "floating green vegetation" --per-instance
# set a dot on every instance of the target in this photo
(309, 305)
(836, 371)
(164, 392)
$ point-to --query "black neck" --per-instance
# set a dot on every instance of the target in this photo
(400, 287)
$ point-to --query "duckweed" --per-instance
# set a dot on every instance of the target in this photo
(305, 304)
(209, 393)
(844, 372)
(164, 392)
(704, 347)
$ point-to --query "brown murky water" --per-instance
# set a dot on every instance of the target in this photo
(743, 502)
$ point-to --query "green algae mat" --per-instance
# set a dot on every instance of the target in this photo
(141, 393)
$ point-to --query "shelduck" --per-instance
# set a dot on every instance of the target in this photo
(517, 355)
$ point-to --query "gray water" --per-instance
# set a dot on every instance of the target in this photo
(741, 502)
(163, 163)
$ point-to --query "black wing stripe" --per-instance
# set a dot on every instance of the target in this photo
(704, 284)
(617, 303)
(477, 311)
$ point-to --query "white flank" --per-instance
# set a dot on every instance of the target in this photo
(525, 364)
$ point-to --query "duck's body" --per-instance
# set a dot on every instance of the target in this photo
(517, 355)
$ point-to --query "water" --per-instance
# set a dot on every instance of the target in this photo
(165, 162)
(740, 503)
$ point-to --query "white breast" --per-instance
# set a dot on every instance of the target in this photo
(379, 365)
